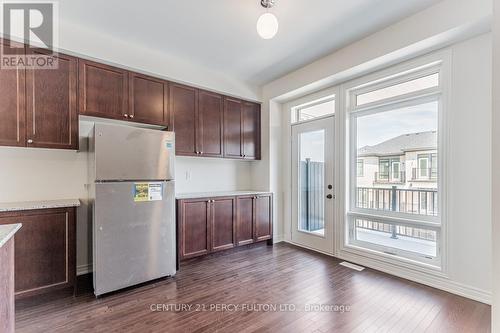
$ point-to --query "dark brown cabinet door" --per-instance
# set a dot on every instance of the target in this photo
(232, 128)
(251, 130)
(12, 105)
(103, 90)
(223, 223)
(183, 106)
(244, 220)
(209, 135)
(52, 118)
(45, 250)
(148, 99)
(194, 227)
(263, 217)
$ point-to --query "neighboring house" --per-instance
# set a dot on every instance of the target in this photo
(406, 161)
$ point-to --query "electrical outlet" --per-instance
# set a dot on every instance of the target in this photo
(188, 175)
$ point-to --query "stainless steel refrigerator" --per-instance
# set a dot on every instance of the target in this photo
(132, 194)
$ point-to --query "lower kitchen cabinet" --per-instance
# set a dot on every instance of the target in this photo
(213, 224)
(45, 250)
(245, 220)
(193, 228)
(263, 217)
(223, 226)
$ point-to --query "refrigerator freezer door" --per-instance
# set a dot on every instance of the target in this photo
(134, 240)
(130, 153)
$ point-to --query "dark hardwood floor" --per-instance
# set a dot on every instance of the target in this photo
(266, 276)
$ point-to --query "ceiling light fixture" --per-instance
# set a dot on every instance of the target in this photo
(267, 24)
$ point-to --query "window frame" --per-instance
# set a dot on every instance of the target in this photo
(420, 158)
(424, 66)
(361, 162)
(397, 175)
(295, 110)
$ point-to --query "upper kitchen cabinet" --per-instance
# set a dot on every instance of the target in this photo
(51, 94)
(232, 128)
(38, 106)
(241, 129)
(12, 105)
(103, 90)
(210, 124)
(148, 100)
(184, 110)
(251, 130)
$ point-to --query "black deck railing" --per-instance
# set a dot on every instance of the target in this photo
(410, 201)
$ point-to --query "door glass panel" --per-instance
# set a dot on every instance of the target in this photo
(311, 182)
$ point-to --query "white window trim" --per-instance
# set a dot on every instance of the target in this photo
(321, 97)
(422, 66)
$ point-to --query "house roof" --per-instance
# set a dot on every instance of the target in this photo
(400, 144)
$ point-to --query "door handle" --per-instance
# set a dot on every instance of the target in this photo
(329, 196)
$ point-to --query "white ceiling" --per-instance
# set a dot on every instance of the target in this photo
(221, 34)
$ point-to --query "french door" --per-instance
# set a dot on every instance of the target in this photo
(312, 184)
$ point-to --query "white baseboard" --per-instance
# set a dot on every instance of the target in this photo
(84, 269)
(278, 239)
(437, 282)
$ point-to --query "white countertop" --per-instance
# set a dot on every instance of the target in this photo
(30, 205)
(197, 195)
(7, 231)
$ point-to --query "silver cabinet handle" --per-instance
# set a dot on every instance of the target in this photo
(131, 116)
(30, 141)
(125, 115)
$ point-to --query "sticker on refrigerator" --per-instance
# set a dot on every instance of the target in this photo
(148, 192)
(155, 191)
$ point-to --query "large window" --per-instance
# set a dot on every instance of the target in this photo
(395, 122)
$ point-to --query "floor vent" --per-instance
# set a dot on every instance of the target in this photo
(352, 266)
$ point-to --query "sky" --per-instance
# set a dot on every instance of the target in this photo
(379, 127)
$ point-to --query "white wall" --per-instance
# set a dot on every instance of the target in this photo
(495, 168)
(194, 174)
(469, 191)
(465, 25)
